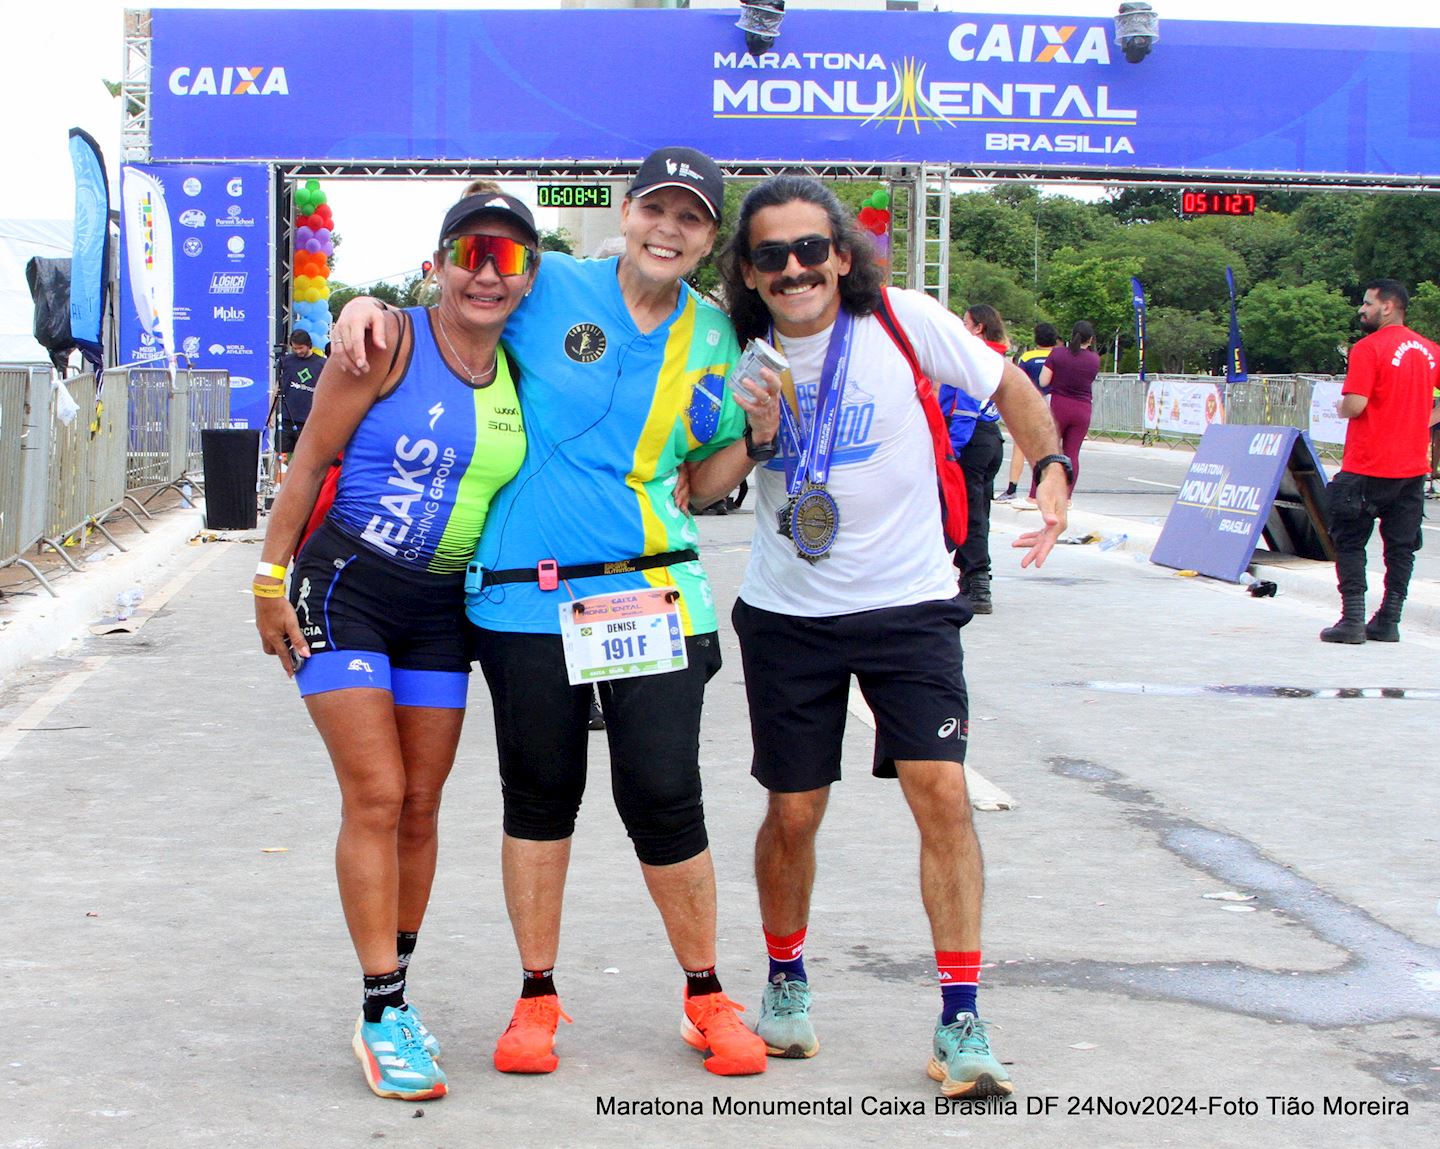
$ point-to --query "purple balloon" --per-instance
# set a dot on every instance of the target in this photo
(323, 234)
(327, 248)
(303, 235)
(312, 245)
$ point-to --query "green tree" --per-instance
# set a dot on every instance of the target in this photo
(1141, 205)
(1324, 245)
(557, 240)
(1424, 313)
(1179, 341)
(974, 281)
(1262, 241)
(984, 227)
(1178, 268)
(1398, 237)
(1088, 286)
(1295, 328)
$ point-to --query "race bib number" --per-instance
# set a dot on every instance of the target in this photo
(622, 635)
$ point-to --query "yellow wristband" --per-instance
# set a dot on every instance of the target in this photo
(265, 590)
(271, 570)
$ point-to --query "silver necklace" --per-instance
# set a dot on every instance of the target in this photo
(476, 377)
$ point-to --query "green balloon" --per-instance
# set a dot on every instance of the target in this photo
(312, 185)
(319, 198)
(881, 199)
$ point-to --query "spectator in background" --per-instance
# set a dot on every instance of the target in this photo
(1031, 362)
(975, 435)
(1069, 375)
(1388, 399)
(299, 372)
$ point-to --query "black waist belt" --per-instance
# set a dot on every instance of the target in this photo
(593, 570)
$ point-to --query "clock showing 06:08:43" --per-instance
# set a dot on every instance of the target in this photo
(1217, 203)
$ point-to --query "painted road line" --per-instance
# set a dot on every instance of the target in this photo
(33, 715)
(984, 794)
(1152, 483)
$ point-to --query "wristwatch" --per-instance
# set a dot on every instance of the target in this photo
(1063, 460)
(760, 452)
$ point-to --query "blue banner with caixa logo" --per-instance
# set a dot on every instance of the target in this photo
(881, 87)
(1228, 500)
(195, 289)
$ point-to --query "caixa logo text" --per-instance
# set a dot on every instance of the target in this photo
(229, 81)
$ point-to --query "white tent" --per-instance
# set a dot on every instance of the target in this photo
(20, 239)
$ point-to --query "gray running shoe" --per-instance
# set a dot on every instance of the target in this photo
(962, 1062)
(785, 1019)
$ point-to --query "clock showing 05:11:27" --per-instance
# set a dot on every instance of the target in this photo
(1217, 203)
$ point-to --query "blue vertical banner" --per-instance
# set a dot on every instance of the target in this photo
(1137, 297)
(198, 241)
(89, 258)
(1235, 368)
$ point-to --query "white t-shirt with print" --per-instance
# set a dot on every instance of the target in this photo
(890, 549)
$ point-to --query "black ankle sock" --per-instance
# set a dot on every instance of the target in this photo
(404, 947)
(1011, 488)
(701, 981)
(383, 991)
(537, 983)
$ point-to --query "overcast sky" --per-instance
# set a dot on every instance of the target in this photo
(54, 54)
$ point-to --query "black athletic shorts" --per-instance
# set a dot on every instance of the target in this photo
(652, 724)
(907, 661)
(371, 622)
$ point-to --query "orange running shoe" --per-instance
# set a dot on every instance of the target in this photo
(528, 1043)
(712, 1027)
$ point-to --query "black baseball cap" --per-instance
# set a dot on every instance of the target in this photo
(489, 203)
(682, 168)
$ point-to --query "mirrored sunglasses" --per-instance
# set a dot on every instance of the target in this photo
(471, 251)
(811, 251)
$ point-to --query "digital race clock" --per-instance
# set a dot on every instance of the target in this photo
(573, 195)
(1217, 203)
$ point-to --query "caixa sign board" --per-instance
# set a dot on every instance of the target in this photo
(1243, 484)
(853, 87)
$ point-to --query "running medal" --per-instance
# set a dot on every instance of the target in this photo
(811, 521)
(810, 517)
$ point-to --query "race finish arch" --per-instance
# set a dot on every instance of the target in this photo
(919, 99)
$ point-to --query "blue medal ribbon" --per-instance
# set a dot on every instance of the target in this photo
(808, 461)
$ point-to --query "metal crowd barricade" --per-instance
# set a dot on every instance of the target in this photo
(1267, 400)
(26, 400)
(147, 461)
(209, 408)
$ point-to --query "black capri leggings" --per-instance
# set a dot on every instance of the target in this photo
(652, 724)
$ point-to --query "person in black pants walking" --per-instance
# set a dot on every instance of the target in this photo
(975, 434)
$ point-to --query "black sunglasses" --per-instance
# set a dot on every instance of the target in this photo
(811, 251)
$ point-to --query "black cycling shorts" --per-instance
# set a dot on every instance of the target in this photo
(370, 622)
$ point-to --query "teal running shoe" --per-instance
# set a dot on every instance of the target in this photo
(962, 1062)
(785, 1019)
(393, 1056)
(430, 1041)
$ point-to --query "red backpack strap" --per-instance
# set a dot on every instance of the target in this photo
(953, 499)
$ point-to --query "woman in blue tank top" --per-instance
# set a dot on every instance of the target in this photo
(371, 627)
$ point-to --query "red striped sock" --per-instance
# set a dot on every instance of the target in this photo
(787, 954)
(959, 982)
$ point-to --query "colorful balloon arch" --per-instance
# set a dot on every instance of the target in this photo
(310, 264)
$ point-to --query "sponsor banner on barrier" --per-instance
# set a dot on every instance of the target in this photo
(850, 87)
(1224, 501)
(1184, 407)
(1326, 426)
(201, 233)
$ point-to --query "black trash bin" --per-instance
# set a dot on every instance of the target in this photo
(232, 463)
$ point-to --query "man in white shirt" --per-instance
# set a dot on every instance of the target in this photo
(857, 580)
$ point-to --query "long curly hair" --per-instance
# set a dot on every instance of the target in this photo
(859, 289)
